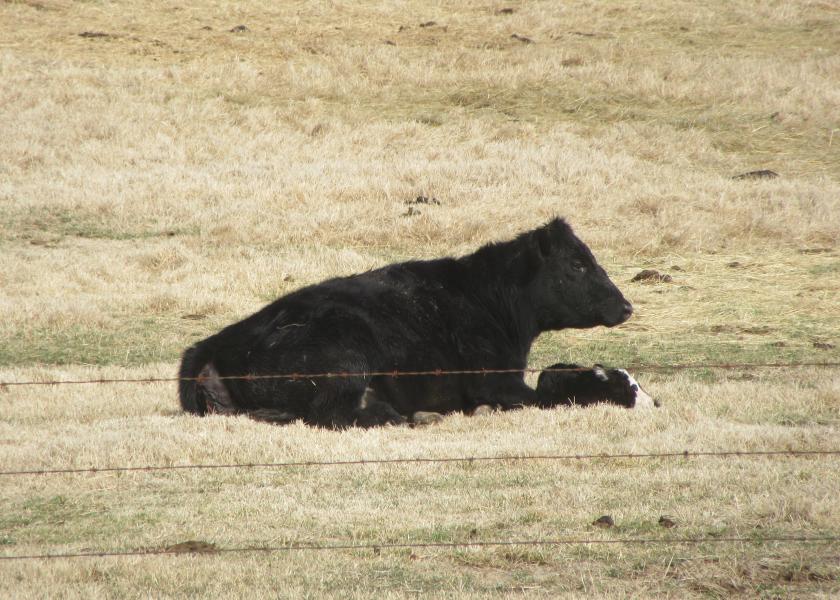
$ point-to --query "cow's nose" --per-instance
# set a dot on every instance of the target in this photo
(627, 311)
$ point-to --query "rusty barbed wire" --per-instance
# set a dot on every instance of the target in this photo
(425, 373)
(292, 547)
(424, 460)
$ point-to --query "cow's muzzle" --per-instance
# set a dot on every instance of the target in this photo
(620, 316)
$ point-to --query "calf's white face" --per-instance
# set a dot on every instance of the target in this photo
(643, 400)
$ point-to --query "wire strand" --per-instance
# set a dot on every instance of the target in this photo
(426, 373)
(291, 547)
(393, 461)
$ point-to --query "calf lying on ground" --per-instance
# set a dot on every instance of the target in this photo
(585, 387)
(480, 311)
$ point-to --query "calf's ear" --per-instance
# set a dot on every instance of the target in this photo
(600, 373)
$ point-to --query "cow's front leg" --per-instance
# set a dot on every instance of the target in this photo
(510, 394)
(424, 417)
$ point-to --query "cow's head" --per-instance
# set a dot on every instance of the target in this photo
(571, 384)
(569, 288)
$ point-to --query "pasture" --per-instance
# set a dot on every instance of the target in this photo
(167, 168)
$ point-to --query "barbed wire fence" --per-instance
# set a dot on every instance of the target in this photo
(377, 547)
(204, 548)
(424, 373)
(684, 454)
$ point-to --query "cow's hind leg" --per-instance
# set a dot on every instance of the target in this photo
(341, 403)
(371, 411)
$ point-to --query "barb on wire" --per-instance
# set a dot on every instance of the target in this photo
(294, 546)
(458, 459)
(427, 373)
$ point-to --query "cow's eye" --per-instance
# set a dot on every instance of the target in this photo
(578, 266)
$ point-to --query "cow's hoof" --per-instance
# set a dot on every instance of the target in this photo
(426, 418)
(484, 409)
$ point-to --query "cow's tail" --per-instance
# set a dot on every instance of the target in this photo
(200, 387)
(203, 391)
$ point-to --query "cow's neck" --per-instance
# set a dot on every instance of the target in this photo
(526, 330)
(498, 274)
(511, 311)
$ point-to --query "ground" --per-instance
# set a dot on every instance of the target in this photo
(164, 172)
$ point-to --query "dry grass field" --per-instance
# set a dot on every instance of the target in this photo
(164, 172)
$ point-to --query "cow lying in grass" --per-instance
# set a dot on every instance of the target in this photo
(575, 385)
(480, 311)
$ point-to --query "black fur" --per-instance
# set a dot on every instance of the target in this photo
(479, 311)
(582, 388)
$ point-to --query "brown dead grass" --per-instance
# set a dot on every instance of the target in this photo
(170, 176)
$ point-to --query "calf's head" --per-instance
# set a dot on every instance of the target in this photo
(583, 387)
(569, 288)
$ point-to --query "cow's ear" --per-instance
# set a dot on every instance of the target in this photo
(543, 241)
(536, 253)
(600, 373)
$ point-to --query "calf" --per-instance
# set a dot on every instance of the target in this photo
(479, 311)
(582, 387)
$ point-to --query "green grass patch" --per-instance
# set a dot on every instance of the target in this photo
(122, 341)
(65, 518)
(829, 268)
(48, 225)
(619, 349)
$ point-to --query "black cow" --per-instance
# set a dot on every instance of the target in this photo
(480, 311)
(574, 385)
